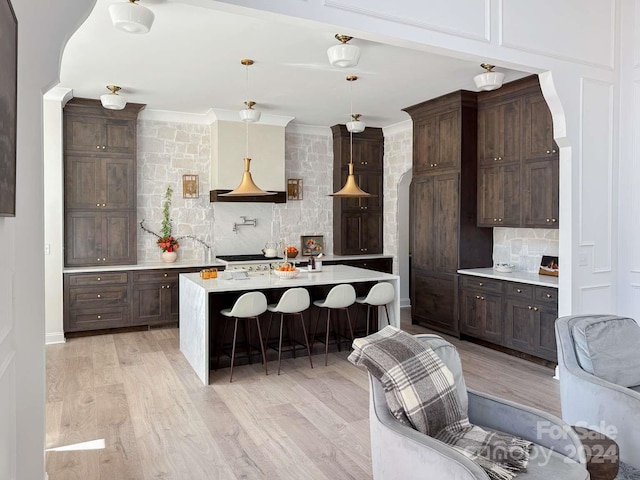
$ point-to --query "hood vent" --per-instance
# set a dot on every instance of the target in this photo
(229, 148)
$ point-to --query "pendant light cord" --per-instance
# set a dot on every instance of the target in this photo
(247, 96)
(350, 131)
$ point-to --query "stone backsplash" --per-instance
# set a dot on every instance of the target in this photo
(524, 247)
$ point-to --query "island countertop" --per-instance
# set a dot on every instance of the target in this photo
(195, 295)
(330, 275)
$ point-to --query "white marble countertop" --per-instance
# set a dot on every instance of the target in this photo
(515, 276)
(330, 275)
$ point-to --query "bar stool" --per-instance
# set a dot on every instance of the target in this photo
(293, 302)
(339, 297)
(248, 305)
(380, 294)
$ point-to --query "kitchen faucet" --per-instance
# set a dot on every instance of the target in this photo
(245, 222)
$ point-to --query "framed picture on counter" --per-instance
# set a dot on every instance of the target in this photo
(312, 244)
(549, 266)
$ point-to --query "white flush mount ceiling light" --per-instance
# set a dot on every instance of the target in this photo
(489, 80)
(248, 114)
(131, 17)
(113, 101)
(355, 125)
(351, 188)
(343, 55)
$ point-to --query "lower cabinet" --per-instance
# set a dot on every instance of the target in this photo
(434, 301)
(102, 300)
(378, 264)
(513, 315)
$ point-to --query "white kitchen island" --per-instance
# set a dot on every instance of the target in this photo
(195, 300)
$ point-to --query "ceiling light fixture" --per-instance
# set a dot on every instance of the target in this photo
(351, 188)
(489, 80)
(131, 17)
(356, 125)
(247, 187)
(343, 55)
(248, 114)
(113, 101)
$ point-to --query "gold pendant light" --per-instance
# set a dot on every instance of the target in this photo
(351, 188)
(247, 187)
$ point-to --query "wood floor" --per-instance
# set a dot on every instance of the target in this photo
(137, 392)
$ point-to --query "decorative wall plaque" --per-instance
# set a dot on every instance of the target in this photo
(190, 186)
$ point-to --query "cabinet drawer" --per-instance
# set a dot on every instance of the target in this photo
(98, 297)
(152, 276)
(106, 278)
(481, 283)
(547, 295)
(96, 319)
(519, 290)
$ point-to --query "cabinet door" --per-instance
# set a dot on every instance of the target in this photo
(361, 233)
(371, 233)
(367, 153)
(540, 204)
(370, 182)
(118, 182)
(493, 325)
(436, 143)
(499, 133)
(470, 313)
(546, 346)
(83, 238)
(520, 326)
(425, 145)
(433, 301)
(151, 303)
(81, 320)
(499, 196)
(423, 250)
(481, 315)
(445, 201)
(448, 141)
(119, 136)
(537, 128)
(350, 233)
(84, 134)
(83, 188)
(119, 238)
(174, 299)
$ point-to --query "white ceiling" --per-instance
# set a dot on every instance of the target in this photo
(190, 62)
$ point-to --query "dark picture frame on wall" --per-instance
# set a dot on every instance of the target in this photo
(8, 107)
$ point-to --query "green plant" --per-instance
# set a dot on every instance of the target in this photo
(165, 241)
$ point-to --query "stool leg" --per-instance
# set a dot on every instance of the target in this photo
(306, 339)
(349, 322)
(280, 341)
(233, 348)
(291, 324)
(336, 333)
(326, 343)
(264, 357)
(266, 339)
(247, 333)
(387, 310)
(224, 332)
(368, 320)
(315, 330)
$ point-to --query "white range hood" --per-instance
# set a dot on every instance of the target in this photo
(229, 148)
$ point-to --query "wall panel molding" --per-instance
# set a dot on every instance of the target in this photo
(526, 20)
(593, 297)
(408, 13)
(596, 171)
(635, 174)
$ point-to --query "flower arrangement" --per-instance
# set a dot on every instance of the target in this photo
(166, 241)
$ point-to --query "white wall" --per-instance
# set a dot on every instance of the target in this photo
(43, 28)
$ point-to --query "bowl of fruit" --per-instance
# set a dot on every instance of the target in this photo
(286, 270)
(291, 251)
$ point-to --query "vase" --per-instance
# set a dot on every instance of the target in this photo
(169, 257)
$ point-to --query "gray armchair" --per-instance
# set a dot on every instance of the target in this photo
(589, 399)
(400, 452)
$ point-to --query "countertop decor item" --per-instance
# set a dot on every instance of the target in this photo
(503, 267)
(286, 273)
(312, 244)
(549, 266)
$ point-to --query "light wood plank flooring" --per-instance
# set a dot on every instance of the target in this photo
(136, 391)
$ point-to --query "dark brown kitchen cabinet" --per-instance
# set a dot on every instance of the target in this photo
(498, 196)
(103, 182)
(498, 132)
(95, 301)
(99, 184)
(100, 238)
(436, 142)
(515, 315)
(384, 264)
(539, 197)
(444, 235)
(518, 180)
(357, 222)
(99, 134)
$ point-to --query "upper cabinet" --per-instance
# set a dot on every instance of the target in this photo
(99, 184)
(435, 142)
(518, 167)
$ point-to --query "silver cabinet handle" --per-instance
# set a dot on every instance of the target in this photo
(548, 295)
(99, 317)
(163, 287)
(104, 259)
(99, 296)
(99, 278)
(166, 275)
(478, 297)
(530, 307)
(97, 204)
(480, 284)
(518, 290)
(535, 309)
(168, 286)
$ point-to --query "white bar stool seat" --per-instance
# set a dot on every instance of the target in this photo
(293, 302)
(380, 294)
(340, 297)
(248, 305)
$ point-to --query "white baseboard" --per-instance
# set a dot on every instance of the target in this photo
(405, 302)
(51, 338)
